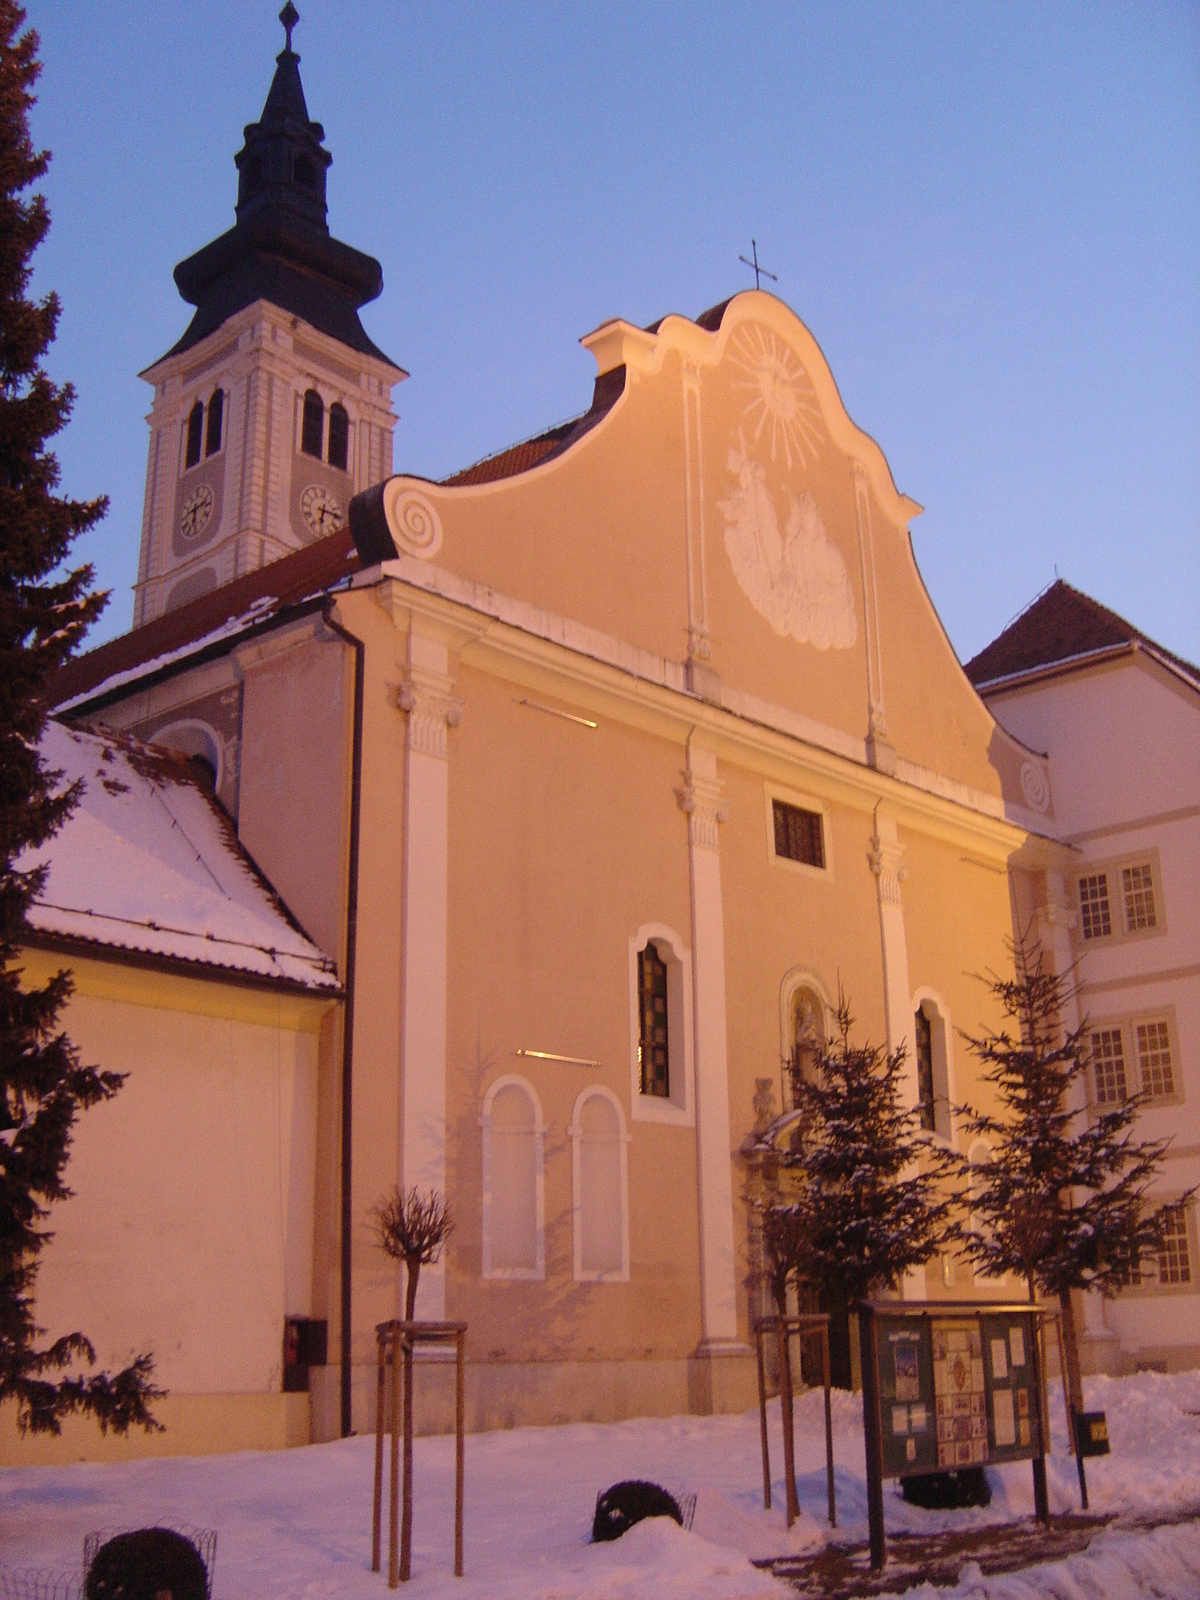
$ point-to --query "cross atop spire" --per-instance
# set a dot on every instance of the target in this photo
(289, 16)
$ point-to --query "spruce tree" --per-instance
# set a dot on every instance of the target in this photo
(1062, 1200)
(44, 611)
(865, 1191)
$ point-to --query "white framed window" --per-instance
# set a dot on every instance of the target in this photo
(1155, 1057)
(1135, 1054)
(1121, 899)
(1108, 1066)
(661, 1072)
(933, 1038)
(798, 833)
(1175, 1267)
(600, 1211)
(514, 1205)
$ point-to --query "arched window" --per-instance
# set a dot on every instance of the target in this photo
(653, 1035)
(513, 1196)
(313, 426)
(339, 436)
(304, 173)
(660, 1026)
(601, 1207)
(212, 438)
(194, 434)
(932, 1050)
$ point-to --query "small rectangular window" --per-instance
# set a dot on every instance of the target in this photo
(1154, 1058)
(652, 1007)
(798, 834)
(1108, 1066)
(1174, 1259)
(1138, 884)
(1093, 906)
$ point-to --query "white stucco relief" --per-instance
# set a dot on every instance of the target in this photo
(796, 579)
(781, 402)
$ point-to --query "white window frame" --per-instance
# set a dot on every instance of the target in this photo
(942, 1039)
(535, 1274)
(1113, 870)
(804, 802)
(1150, 1283)
(592, 1091)
(678, 1108)
(1126, 1023)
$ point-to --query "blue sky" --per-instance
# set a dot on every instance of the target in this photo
(988, 215)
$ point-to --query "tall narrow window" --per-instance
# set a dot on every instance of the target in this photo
(601, 1220)
(1108, 1066)
(195, 434)
(216, 409)
(652, 1046)
(313, 426)
(513, 1244)
(1093, 906)
(339, 436)
(924, 1035)
(1174, 1259)
(1138, 884)
(1154, 1058)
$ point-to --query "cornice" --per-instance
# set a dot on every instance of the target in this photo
(648, 692)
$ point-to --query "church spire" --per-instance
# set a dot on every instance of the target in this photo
(280, 248)
(283, 161)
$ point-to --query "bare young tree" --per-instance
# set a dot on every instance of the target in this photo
(412, 1227)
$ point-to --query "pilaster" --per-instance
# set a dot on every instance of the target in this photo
(886, 858)
(424, 695)
(700, 800)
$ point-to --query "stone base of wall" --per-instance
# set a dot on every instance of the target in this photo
(194, 1424)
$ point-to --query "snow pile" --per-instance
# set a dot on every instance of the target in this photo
(148, 862)
(296, 1525)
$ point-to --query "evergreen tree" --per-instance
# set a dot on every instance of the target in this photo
(1062, 1201)
(43, 614)
(863, 1190)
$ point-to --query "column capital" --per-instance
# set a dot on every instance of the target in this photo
(431, 710)
(885, 858)
(699, 798)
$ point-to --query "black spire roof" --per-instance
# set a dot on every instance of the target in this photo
(280, 249)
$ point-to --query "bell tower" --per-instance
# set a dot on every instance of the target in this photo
(274, 408)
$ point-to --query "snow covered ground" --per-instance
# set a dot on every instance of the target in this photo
(297, 1524)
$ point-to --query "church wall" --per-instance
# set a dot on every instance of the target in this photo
(190, 1232)
(568, 839)
(596, 534)
(293, 811)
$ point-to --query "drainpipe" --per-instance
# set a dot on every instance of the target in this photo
(348, 1015)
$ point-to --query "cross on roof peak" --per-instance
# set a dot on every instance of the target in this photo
(756, 267)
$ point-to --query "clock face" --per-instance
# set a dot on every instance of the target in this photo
(197, 509)
(320, 509)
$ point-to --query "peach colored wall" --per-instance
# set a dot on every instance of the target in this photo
(547, 817)
(190, 1232)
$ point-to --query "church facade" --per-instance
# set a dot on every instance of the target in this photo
(597, 772)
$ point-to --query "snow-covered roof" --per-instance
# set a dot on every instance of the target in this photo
(148, 862)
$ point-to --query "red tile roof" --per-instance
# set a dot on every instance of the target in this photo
(303, 575)
(273, 588)
(1062, 624)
